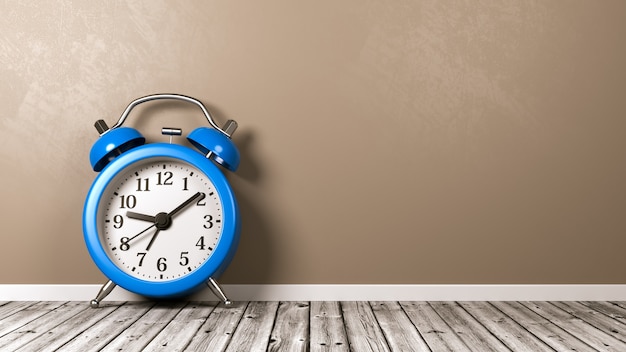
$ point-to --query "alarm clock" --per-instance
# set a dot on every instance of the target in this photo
(161, 219)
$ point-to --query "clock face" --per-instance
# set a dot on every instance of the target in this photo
(159, 219)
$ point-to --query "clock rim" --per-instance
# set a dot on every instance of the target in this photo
(223, 252)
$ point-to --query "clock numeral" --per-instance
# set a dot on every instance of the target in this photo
(185, 184)
(118, 221)
(184, 260)
(200, 243)
(164, 178)
(209, 222)
(128, 201)
(142, 255)
(201, 202)
(145, 184)
(161, 265)
(124, 246)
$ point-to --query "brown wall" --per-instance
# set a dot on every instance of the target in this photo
(382, 141)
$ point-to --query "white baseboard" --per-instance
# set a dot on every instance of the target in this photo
(340, 293)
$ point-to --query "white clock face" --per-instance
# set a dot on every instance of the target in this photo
(159, 219)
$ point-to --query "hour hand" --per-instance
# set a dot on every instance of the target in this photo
(138, 216)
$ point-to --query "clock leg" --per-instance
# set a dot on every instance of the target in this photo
(104, 291)
(217, 290)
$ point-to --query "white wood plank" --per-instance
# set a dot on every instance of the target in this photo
(621, 304)
(364, 333)
(544, 329)
(253, 332)
(291, 328)
(98, 335)
(138, 335)
(399, 331)
(218, 329)
(328, 333)
(475, 336)
(184, 326)
(40, 326)
(26, 315)
(11, 308)
(513, 335)
(68, 329)
(610, 309)
(592, 317)
(437, 334)
(577, 327)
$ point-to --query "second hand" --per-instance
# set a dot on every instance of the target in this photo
(139, 234)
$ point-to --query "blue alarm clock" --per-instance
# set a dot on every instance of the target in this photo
(161, 219)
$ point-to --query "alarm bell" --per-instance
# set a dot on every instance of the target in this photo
(216, 145)
(112, 143)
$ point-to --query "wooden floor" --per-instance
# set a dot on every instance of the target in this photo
(313, 326)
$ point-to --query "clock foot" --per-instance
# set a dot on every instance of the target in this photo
(217, 290)
(104, 291)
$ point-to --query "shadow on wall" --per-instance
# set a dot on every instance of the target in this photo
(254, 261)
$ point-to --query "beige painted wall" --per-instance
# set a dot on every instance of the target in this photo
(382, 141)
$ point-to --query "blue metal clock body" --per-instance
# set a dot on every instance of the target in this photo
(161, 220)
(223, 252)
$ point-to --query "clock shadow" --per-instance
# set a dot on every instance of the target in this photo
(254, 261)
(248, 169)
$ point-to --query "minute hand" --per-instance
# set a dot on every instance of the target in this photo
(185, 203)
(167, 218)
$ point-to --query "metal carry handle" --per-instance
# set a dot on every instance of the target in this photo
(229, 129)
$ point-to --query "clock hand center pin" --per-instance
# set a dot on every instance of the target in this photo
(162, 222)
